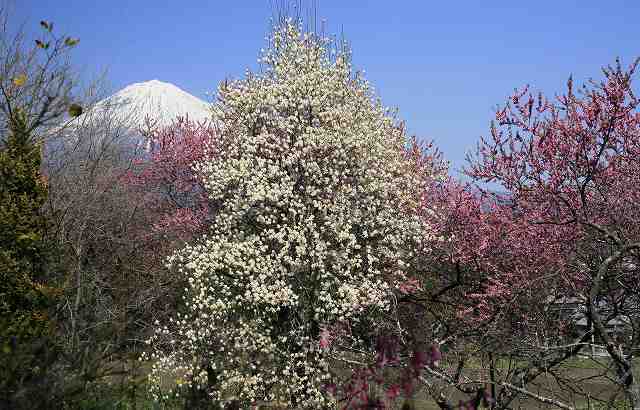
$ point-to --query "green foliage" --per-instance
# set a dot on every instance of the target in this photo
(42, 44)
(47, 25)
(70, 42)
(75, 110)
(22, 194)
(25, 327)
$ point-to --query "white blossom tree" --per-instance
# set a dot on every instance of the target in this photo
(316, 227)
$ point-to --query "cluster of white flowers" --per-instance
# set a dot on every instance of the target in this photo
(314, 228)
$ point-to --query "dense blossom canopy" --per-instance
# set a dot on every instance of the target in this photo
(174, 197)
(316, 226)
(524, 270)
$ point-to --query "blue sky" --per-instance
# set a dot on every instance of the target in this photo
(445, 64)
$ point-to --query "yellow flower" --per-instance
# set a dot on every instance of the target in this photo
(20, 80)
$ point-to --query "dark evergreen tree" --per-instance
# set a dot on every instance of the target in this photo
(35, 94)
(25, 299)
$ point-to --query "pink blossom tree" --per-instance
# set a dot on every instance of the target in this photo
(173, 193)
(564, 228)
(572, 168)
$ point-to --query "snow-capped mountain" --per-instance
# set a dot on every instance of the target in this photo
(119, 123)
(156, 100)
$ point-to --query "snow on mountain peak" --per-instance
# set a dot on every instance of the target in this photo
(157, 100)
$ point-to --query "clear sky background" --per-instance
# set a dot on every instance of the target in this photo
(445, 64)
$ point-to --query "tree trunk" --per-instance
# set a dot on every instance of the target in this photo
(632, 390)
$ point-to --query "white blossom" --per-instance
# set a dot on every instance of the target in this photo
(314, 227)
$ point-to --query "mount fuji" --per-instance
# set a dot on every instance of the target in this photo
(118, 124)
(155, 100)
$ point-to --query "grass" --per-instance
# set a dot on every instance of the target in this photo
(586, 369)
(113, 397)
